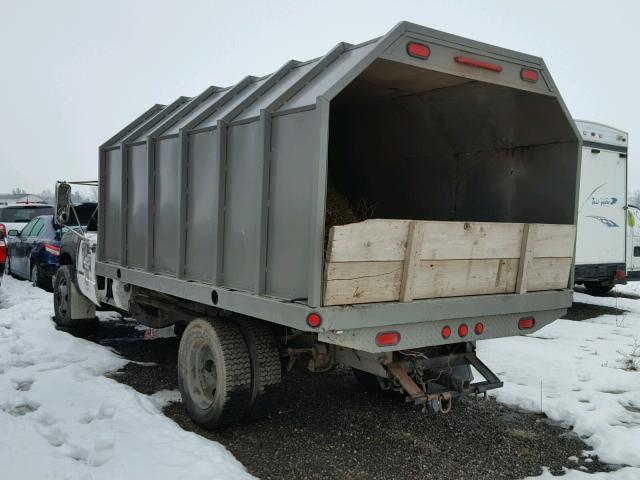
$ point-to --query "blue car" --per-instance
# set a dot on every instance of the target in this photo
(34, 252)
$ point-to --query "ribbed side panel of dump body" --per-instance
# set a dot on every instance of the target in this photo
(227, 190)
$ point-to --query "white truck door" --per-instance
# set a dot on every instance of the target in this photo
(601, 208)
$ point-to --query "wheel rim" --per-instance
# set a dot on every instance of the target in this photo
(202, 375)
(62, 297)
(34, 275)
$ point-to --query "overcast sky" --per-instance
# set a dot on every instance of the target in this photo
(75, 72)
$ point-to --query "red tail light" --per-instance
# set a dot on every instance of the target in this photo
(446, 331)
(3, 252)
(526, 323)
(52, 249)
(479, 328)
(3, 230)
(418, 50)
(477, 63)
(463, 330)
(314, 320)
(529, 75)
(620, 275)
(387, 339)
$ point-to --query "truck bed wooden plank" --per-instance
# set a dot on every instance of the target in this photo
(411, 260)
(367, 282)
(385, 240)
(369, 262)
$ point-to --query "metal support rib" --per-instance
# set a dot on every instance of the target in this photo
(266, 116)
(102, 155)
(194, 103)
(124, 153)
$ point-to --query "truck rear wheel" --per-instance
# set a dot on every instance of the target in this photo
(214, 372)
(266, 368)
(597, 289)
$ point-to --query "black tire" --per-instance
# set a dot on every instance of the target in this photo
(597, 289)
(266, 368)
(37, 278)
(179, 328)
(62, 291)
(368, 381)
(214, 372)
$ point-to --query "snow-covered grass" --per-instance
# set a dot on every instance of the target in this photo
(578, 373)
(60, 418)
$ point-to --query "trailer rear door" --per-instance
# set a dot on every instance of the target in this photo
(601, 213)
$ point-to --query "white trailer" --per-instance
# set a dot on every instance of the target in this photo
(633, 242)
(602, 203)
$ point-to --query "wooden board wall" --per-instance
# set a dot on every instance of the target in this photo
(402, 260)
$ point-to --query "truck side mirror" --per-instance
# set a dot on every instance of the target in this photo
(63, 203)
(13, 233)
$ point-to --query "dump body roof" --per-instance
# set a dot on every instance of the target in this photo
(298, 85)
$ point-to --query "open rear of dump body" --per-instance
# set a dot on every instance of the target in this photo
(220, 198)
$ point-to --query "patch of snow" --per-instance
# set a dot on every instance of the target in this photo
(574, 372)
(571, 474)
(61, 418)
(164, 397)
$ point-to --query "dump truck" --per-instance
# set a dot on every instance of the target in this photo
(602, 210)
(382, 208)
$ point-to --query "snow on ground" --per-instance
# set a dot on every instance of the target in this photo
(60, 418)
(577, 373)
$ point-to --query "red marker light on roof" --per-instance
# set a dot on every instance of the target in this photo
(387, 339)
(418, 50)
(314, 320)
(529, 75)
(477, 63)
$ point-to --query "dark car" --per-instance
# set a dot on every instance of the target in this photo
(34, 252)
(3, 255)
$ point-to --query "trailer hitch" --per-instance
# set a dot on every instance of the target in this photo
(435, 402)
(447, 388)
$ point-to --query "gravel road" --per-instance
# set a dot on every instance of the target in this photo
(327, 427)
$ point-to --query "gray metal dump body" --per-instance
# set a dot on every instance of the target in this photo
(220, 198)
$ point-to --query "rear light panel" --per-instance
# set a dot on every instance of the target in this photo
(446, 332)
(493, 67)
(387, 339)
(463, 330)
(314, 320)
(418, 50)
(52, 249)
(3, 252)
(526, 323)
